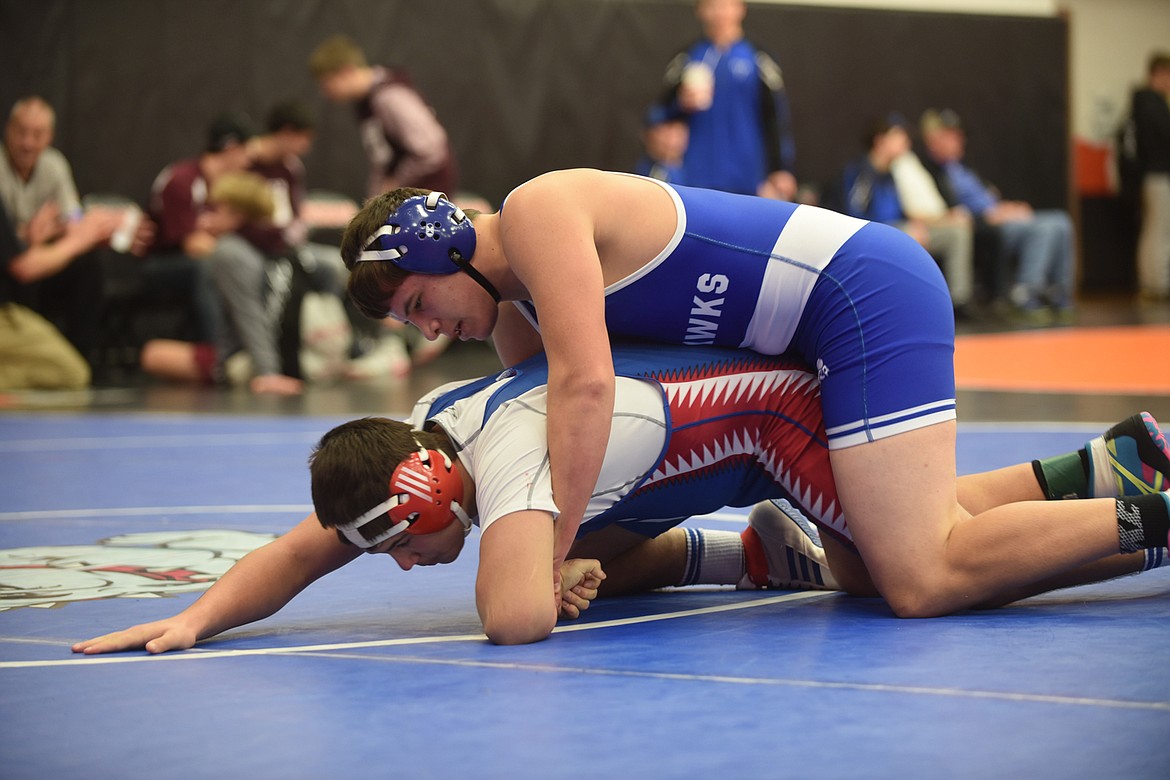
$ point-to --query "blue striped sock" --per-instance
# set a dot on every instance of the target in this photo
(713, 557)
(694, 555)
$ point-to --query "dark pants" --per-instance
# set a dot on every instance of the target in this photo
(71, 300)
(187, 282)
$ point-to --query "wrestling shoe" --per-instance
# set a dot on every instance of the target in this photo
(782, 550)
(1130, 459)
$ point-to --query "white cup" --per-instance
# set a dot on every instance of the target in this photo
(699, 80)
(123, 237)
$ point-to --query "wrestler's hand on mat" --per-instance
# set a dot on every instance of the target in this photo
(580, 579)
(157, 637)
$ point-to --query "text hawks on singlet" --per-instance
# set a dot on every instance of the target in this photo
(704, 321)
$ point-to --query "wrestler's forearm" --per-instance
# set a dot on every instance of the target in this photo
(268, 578)
(580, 411)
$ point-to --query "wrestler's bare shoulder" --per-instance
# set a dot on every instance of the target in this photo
(631, 218)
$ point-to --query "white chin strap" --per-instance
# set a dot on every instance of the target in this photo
(374, 255)
(463, 518)
(353, 531)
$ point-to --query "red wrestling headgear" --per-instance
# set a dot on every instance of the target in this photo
(425, 491)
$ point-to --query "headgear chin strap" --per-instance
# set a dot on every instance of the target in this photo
(423, 498)
(427, 234)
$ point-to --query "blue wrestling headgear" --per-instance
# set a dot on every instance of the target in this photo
(424, 495)
(427, 234)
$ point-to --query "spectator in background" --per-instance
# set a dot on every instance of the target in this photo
(889, 184)
(664, 143)
(405, 144)
(199, 253)
(277, 155)
(1041, 241)
(1151, 122)
(40, 197)
(736, 106)
(239, 204)
(33, 175)
(33, 353)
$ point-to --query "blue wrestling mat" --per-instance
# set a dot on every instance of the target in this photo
(109, 521)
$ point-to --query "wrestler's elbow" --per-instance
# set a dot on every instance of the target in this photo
(512, 626)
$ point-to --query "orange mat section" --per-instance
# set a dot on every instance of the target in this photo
(1123, 360)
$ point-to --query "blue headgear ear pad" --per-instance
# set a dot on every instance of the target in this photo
(427, 234)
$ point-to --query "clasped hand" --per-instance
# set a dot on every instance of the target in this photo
(580, 578)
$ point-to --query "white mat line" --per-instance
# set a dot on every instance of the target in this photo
(730, 515)
(25, 640)
(1035, 698)
(196, 654)
(139, 511)
(311, 437)
(723, 515)
(168, 440)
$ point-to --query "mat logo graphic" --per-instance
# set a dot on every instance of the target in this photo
(139, 565)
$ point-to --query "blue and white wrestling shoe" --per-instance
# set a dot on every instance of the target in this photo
(782, 550)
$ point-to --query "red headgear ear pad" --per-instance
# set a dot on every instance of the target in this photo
(430, 485)
(425, 493)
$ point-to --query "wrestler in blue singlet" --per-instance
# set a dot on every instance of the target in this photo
(861, 302)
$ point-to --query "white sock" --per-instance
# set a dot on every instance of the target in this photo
(713, 557)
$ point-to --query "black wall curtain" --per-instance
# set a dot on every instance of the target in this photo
(523, 86)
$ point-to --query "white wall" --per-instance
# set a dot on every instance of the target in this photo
(1111, 41)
